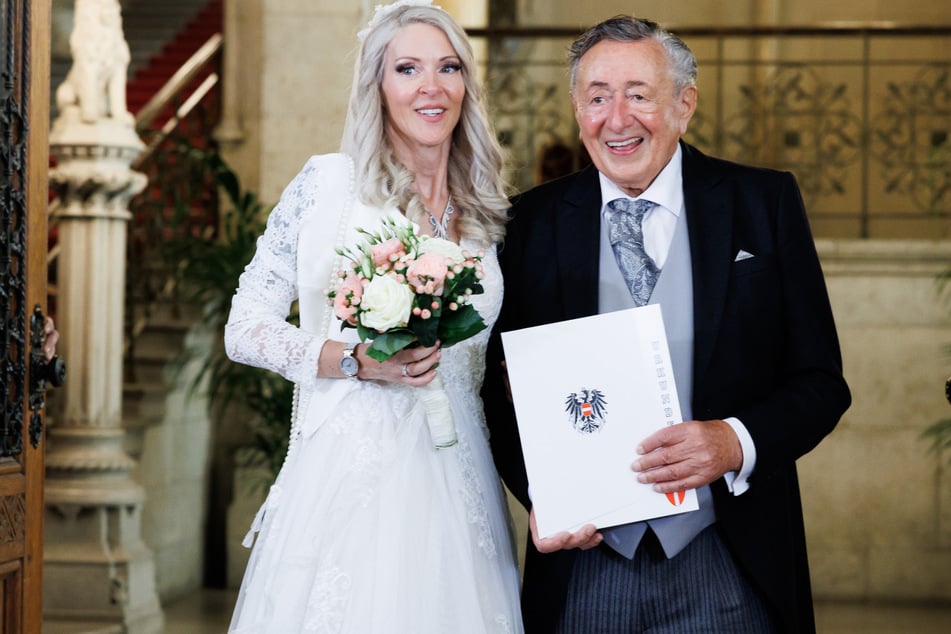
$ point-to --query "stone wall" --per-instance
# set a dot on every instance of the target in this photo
(173, 468)
(877, 502)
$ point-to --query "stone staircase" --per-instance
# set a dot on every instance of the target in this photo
(152, 371)
(146, 80)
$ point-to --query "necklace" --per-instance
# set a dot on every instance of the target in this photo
(441, 228)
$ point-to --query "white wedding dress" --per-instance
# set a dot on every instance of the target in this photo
(369, 528)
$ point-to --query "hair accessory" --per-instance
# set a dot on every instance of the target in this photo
(381, 12)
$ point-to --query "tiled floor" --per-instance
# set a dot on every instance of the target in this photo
(208, 612)
(864, 618)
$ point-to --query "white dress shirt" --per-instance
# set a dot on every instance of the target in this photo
(658, 228)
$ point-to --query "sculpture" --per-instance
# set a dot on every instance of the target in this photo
(94, 88)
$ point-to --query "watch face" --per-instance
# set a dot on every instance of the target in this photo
(349, 366)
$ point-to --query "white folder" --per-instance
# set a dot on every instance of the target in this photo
(586, 392)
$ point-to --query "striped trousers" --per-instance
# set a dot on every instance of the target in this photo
(699, 590)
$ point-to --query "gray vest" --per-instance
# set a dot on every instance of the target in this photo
(674, 293)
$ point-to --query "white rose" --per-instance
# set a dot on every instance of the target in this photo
(445, 248)
(385, 304)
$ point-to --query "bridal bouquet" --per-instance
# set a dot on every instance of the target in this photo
(401, 288)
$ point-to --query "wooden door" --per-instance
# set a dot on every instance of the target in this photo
(24, 123)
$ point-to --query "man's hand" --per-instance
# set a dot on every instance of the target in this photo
(586, 537)
(688, 455)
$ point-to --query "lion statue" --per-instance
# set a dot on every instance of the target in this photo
(95, 86)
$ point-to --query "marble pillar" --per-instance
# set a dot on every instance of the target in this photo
(98, 572)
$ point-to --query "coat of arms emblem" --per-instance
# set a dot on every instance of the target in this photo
(586, 410)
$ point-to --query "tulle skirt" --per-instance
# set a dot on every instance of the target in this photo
(369, 528)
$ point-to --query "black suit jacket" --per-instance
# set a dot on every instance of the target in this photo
(766, 351)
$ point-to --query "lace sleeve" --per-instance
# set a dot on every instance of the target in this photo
(257, 332)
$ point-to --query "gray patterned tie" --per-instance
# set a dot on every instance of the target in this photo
(627, 240)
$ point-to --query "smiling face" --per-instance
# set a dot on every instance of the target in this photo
(629, 115)
(423, 89)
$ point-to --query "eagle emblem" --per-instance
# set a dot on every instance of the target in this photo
(586, 410)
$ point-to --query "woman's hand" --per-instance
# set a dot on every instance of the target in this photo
(50, 337)
(586, 537)
(411, 366)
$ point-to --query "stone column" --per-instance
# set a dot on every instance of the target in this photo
(98, 573)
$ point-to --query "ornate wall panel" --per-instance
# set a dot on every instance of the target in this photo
(861, 116)
(13, 211)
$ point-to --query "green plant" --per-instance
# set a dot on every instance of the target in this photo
(207, 262)
(939, 433)
(936, 185)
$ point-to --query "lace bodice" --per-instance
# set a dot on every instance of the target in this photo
(463, 365)
(257, 332)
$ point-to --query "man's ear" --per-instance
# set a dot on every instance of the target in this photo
(687, 105)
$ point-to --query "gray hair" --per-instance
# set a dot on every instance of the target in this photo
(623, 28)
(475, 158)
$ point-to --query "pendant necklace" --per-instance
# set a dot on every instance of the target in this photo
(441, 228)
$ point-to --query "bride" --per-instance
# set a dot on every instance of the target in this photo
(369, 527)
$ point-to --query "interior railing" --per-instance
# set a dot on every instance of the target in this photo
(196, 67)
(860, 113)
(175, 125)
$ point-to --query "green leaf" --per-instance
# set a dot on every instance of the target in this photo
(426, 330)
(365, 333)
(940, 435)
(388, 344)
(459, 325)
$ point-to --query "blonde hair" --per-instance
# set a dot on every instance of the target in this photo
(475, 158)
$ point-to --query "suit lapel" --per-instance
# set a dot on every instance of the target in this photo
(710, 227)
(577, 239)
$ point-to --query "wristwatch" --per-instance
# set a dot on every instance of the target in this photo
(348, 363)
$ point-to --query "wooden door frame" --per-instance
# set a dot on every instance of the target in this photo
(38, 112)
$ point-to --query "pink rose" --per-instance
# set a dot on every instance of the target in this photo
(347, 298)
(382, 254)
(428, 272)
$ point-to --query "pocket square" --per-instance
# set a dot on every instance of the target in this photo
(743, 255)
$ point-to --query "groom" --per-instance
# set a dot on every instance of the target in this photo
(727, 251)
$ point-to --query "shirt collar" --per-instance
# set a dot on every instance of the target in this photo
(666, 190)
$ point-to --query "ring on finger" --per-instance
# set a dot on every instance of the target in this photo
(405, 370)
